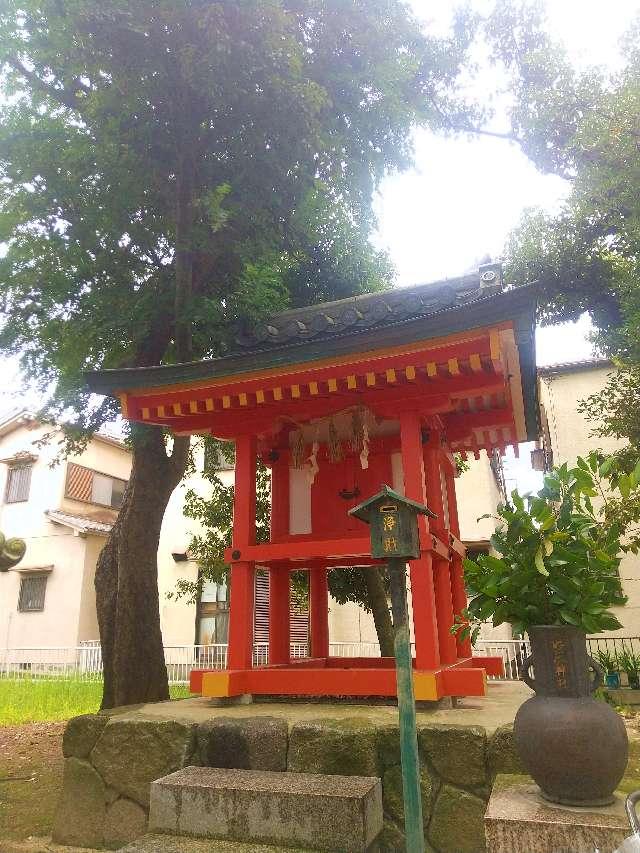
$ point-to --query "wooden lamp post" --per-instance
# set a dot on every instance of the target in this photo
(393, 521)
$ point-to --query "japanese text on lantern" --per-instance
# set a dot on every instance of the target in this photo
(389, 544)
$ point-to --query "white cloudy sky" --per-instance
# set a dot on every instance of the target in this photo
(465, 195)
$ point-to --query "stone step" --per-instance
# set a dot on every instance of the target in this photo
(180, 844)
(339, 813)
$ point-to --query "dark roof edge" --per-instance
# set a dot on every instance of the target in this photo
(488, 310)
(574, 366)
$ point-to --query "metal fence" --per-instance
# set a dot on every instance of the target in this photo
(84, 662)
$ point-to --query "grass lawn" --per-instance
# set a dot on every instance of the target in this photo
(26, 701)
(32, 715)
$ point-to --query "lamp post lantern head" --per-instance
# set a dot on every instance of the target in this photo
(393, 521)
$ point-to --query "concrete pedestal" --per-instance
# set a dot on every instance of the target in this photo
(519, 820)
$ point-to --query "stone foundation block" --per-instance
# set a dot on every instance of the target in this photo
(457, 822)
(125, 821)
(518, 820)
(458, 753)
(131, 754)
(81, 810)
(81, 734)
(251, 743)
(321, 812)
(340, 747)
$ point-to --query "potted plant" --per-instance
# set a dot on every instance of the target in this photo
(556, 577)
(630, 663)
(609, 662)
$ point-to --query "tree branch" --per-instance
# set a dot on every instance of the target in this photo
(63, 97)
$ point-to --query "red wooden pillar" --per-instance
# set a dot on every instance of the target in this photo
(425, 623)
(442, 575)
(242, 599)
(319, 612)
(457, 572)
(279, 615)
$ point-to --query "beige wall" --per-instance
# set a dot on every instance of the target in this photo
(69, 615)
(570, 434)
(177, 618)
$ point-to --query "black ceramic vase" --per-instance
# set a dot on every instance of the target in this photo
(574, 746)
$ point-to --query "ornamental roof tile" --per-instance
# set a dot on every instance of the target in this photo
(367, 311)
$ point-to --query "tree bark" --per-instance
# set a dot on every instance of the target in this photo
(379, 605)
(127, 576)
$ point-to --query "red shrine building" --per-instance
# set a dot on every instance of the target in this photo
(338, 399)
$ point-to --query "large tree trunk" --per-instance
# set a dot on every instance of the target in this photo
(379, 605)
(127, 576)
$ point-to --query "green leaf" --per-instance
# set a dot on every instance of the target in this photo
(569, 617)
(539, 560)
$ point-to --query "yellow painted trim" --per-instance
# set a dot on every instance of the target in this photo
(352, 382)
(277, 394)
(432, 369)
(495, 349)
(353, 358)
(512, 358)
(453, 366)
(124, 405)
(410, 372)
(145, 414)
(313, 389)
(475, 363)
(332, 385)
(193, 407)
(243, 399)
(371, 379)
(425, 686)
(215, 685)
(177, 409)
(295, 392)
(226, 402)
(209, 404)
(259, 396)
(391, 375)
(161, 412)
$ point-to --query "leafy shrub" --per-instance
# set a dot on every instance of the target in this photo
(558, 555)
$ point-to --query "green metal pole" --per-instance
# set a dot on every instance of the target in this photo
(406, 709)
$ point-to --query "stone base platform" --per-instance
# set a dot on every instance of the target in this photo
(171, 844)
(112, 759)
(519, 820)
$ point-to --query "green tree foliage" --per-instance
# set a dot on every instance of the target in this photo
(582, 125)
(558, 555)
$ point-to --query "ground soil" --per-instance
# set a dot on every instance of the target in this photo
(30, 779)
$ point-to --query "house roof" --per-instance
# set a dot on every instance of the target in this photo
(80, 523)
(574, 366)
(17, 418)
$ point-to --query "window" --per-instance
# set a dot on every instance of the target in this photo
(18, 482)
(32, 590)
(89, 486)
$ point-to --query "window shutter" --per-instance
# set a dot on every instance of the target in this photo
(18, 482)
(299, 618)
(79, 482)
